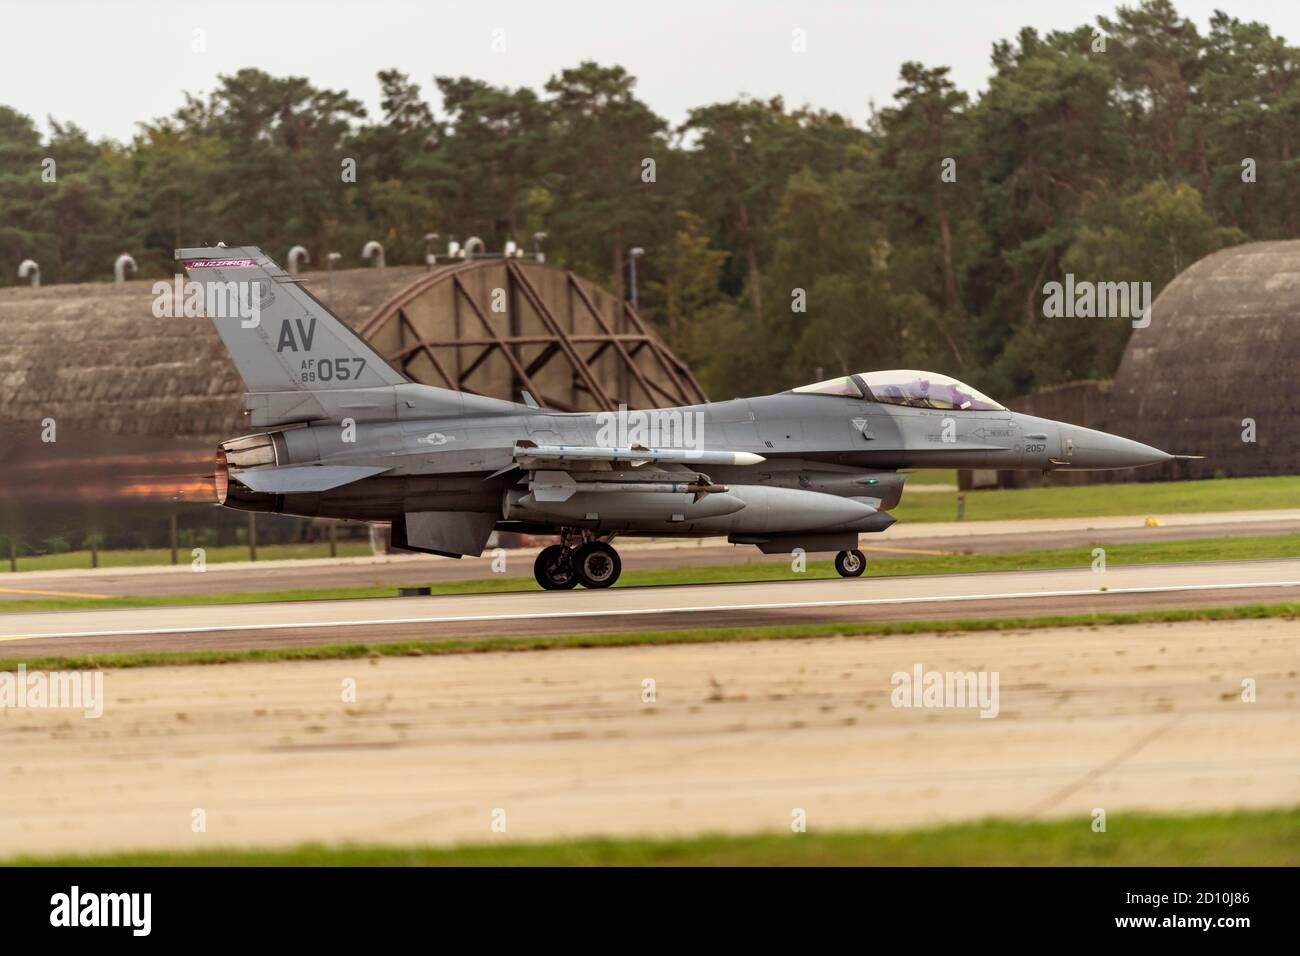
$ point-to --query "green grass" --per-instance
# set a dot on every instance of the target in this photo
(460, 645)
(1255, 838)
(1162, 552)
(149, 557)
(1088, 501)
(932, 476)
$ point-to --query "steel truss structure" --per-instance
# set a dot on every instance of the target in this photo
(499, 326)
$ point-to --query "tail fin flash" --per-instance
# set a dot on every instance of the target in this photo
(292, 352)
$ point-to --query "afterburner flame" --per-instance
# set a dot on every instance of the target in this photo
(221, 477)
(159, 477)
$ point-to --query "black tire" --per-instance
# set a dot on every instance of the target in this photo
(553, 569)
(597, 565)
(850, 564)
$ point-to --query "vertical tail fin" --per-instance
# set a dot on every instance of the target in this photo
(291, 351)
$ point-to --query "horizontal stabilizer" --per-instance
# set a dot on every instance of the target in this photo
(303, 479)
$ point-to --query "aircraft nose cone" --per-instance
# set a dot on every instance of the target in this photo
(1085, 448)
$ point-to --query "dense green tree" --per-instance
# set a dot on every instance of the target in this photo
(1249, 109)
(394, 198)
(1155, 55)
(21, 192)
(835, 306)
(1048, 143)
(280, 174)
(1148, 235)
(917, 186)
(740, 156)
(488, 161)
(1121, 150)
(605, 154)
(686, 298)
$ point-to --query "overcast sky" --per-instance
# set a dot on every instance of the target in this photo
(106, 64)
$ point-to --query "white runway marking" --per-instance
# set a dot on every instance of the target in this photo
(624, 612)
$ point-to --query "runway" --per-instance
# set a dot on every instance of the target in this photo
(899, 542)
(920, 597)
(733, 738)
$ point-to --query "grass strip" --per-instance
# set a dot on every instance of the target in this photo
(1254, 838)
(471, 645)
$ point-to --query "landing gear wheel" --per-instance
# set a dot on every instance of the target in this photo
(850, 564)
(597, 565)
(554, 569)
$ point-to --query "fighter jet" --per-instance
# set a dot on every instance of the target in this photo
(337, 432)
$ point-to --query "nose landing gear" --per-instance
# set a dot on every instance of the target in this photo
(850, 564)
(593, 564)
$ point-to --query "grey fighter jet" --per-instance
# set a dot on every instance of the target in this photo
(336, 432)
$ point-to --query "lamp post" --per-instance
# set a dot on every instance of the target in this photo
(633, 254)
(330, 259)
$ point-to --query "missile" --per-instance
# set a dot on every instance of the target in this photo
(527, 451)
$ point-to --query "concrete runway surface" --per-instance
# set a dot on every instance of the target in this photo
(920, 597)
(738, 736)
(899, 541)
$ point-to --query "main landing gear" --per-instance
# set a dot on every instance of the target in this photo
(593, 564)
(850, 564)
(554, 569)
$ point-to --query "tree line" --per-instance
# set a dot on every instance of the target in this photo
(781, 243)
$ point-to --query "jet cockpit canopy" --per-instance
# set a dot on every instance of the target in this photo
(910, 387)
